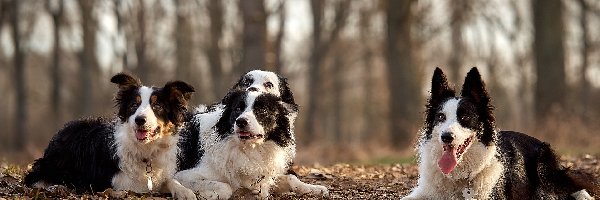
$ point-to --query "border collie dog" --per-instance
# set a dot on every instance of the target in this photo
(251, 146)
(136, 152)
(462, 156)
(203, 118)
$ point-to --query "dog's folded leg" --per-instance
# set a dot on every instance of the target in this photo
(291, 183)
(178, 191)
(205, 188)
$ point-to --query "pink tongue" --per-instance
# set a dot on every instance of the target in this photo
(448, 161)
(244, 134)
(141, 135)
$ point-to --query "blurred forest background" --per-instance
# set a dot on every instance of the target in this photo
(360, 69)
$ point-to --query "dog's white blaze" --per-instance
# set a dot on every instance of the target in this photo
(145, 109)
(451, 124)
(253, 125)
(261, 77)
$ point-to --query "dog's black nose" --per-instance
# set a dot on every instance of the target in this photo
(241, 123)
(447, 137)
(140, 120)
(252, 89)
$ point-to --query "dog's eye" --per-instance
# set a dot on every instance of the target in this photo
(157, 107)
(268, 85)
(440, 117)
(238, 109)
(465, 118)
(247, 82)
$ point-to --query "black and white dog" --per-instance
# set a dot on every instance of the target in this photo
(136, 152)
(462, 156)
(203, 117)
(246, 141)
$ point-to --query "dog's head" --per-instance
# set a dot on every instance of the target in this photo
(458, 125)
(150, 112)
(267, 82)
(254, 118)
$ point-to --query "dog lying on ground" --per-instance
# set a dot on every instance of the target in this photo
(463, 156)
(136, 151)
(249, 145)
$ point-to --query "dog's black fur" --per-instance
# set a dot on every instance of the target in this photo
(82, 155)
(79, 156)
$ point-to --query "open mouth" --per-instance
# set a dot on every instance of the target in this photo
(451, 155)
(245, 135)
(144, 134)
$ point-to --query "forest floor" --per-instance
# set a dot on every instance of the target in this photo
(345, 181)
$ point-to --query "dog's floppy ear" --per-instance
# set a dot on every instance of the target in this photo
(178, 94)
(474, 90)
(177, 88)
(127, 86)
(285, 92)
(289, 108)
(125, 81)
(240, 83)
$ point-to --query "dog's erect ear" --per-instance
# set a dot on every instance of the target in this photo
(474, 88)
(125, 81)
(440, 91)
(285, 92)
(439, 86)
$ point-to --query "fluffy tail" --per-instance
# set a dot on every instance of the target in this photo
(34, 175)
(585, 181)
(562, 180)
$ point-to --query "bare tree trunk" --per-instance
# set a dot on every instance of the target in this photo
(314, 74)
(183, 41)
(121, 30)
(55, 72)
(368, 108)
(549, 57)
(215, 11)
(20, 83)
(338, 93)
(254, 35)
(87, 57)
(142, 68)
(279, 38)
(459, 13)
(585, 55)
(402, 74)
(320, 47)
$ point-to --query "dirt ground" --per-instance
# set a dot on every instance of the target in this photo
(344, 181)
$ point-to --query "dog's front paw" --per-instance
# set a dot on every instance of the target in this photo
(221, 193)
(261, 194)
(315, 190)
(183, 193)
